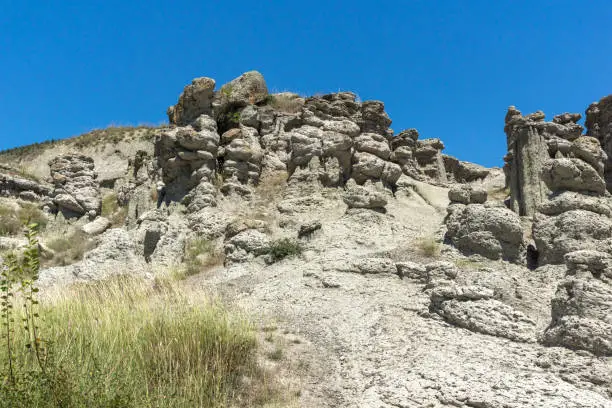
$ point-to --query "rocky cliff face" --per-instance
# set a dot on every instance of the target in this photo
(409, 256)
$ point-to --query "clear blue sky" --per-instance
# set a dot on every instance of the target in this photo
(449, 68)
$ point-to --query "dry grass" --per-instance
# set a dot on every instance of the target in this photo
(68, 248)
(126, 342)
(12, 220)
(111, 209)
(201, 255)
(285, 102)
(429, 247)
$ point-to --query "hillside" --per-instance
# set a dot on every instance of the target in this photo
(378, 271)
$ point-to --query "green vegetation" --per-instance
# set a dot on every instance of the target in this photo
(119, 343)
(283, 248)
(201, 254)
(429, 247)
(68, 248)
(13, 219)
(110, 209)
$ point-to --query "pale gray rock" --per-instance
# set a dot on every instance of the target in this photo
(195, 100)
(249, 88)
(97, 226)
(599, 125)
(467, 194)
(246, 245)
(527, 152)
(473, 308)
(367, 166)
(373, 143)
(581, 318)
(412, 270)
(563, 201)
(462, 171)
(573, 175)
(571, 231)
(76, 187)
(588, 149)
(365, 196)
(495, 232)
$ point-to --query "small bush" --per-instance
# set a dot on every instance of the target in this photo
(283, 248)
(429, 247)
(201, 254)
(69, 248)
(12, 220)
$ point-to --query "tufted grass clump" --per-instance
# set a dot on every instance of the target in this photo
(429, 247)
(68, 248)
(13, 219)
(284, 248)
(201, 254)
(126, 342)
(285, 102)
(111, 209)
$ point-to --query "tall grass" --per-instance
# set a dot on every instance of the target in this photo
(130, 343)
(13, 219)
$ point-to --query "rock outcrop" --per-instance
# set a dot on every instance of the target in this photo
(76, 190)
(575, 215)
(598, 124)
(474, 308)
(581, 309)
(476, 228)
(531, 142)
(14, 185)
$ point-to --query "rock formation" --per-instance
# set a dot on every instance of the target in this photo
(76, 189)
(476, 228)
(581, 309)
(531, 141)
(599, 125)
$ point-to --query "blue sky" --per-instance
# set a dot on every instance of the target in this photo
(448, 68)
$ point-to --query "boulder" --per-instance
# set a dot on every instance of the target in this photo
(467, 194)
(195, 100)
(248, 89)
(76, 187)
(365, 196)
(572, 174)
(571, 231)
(246, 245)
(495, 232)
(97, 226)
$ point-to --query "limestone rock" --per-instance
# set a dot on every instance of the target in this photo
(97, 226)
(573, 175)
(474, 308)
(581, 318)
(246, 245)
(571, 231)
(599, 125)
(467, 194)
(495, 233)
(76, 187)
(559, 203)
(195, 100)
(357, 196)
(248, 88)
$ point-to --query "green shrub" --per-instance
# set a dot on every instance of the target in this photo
(283, 248)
